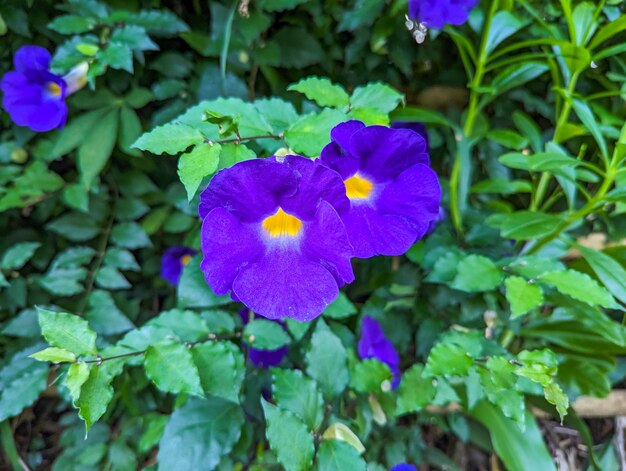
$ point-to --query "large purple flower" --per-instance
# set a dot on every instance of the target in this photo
(374, 344)
(437, 13)
(271, 236)
(393, 193)
(34, 96)
(419, 128)
(264, 358)
(174, 260)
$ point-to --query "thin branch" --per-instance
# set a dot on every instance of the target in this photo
(238, 140)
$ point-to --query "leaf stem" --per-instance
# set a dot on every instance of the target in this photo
(238, 140)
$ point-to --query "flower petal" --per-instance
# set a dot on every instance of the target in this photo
(414, 195)
(228, 246)
(336, 155)
(385, 153)
(285, 283)
(32, 61)
(326, 241)
(249, 190)
(316, 183)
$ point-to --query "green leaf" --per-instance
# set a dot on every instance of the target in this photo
(188, 326)
(130, 130)
(523, 225)
(555, 396)
(104, 316)
(415, 391)
(234, 153)
(193, 290)
(298, 394)
(117, 56)
(477, 273)
(322, 91)
(70, 137)
(610, 272)
(284, 430)
(97, 146)
(169, 139)
(221, 368)
(327, 362)
(64, 281)
(337, 455)
(280, 5)
(585, 23)
(608, 31)
(74, 226)
(340, 308)
(378, 96)
(264, 334)
(517, 75)
(297, 48)
(511, 443)
(584, 113)
(371, 376)
(17, 255)
(577, 58)
(503, 25)
(77, 375)
(522, 295)
(579, 286)
(134, 37)
(71, 24)
(67, 331)
(54, 355)
(196, 164)
(199, 433)
(111, 278)
(309, 134)
(448, 359)
(507, 138)
(121, 259)
(171, 368)
(130, 235)
(76, 196)
(95, 395)
(334, 455)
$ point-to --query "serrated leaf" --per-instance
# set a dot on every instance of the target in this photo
(171, 368)
(522, 295)
(448, 359)
(199, 433)
(77, 374)
(196, 164)
(340, 308)
(415, 391)
(555, 396)
(71, 24)
(299, 394)
(378, 96)
(579, 286)
(370, 376)
(327, 363)
(336, 455)
(610, 272)
(67, 331)
(95, 395)
(477, 273)
(221, 368)
(284, 430)
(310, 133)
(169, 139)
(17, 255)
(117, 56)
(264, 334)
(322, 91)
(54, 355)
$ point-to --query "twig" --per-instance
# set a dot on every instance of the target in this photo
(238, 140)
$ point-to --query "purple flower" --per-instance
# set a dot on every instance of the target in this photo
(34, 96)
(264, 358)
(393, 193)
(271, 235)
(437, 13)
(404, 467)
(419, 128)
(174, 260)
(374, 344)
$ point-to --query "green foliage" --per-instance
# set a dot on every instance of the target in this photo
(504, 303)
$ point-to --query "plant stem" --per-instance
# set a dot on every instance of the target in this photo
(8, 446)
(468, 127)
(238, 140)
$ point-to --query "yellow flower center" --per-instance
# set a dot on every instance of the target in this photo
(358, 188)
(282, 224)
(54, 89)
(185, 259)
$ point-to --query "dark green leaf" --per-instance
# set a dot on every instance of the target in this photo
(67, 331)
(170, 366)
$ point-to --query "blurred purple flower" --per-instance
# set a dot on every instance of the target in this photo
(264, 358)
(404, 467)
(419, 128)
(35, 97)
(393, 193)
(173, 261)
(437, 13)
(374, 344)
(271, 235)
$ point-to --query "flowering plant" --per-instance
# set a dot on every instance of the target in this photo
(294, 235)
